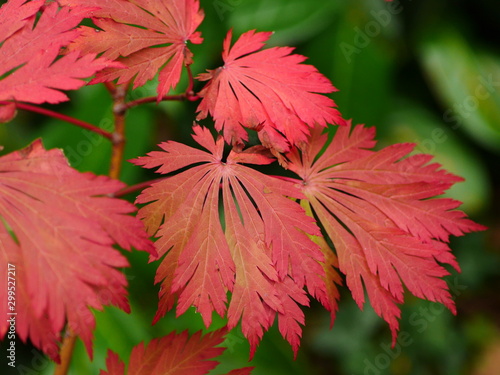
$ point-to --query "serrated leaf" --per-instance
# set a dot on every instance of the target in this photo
(380, 212)
(29, 51)
(58, 229)
(174, 354)
(128, 30)
(258, 249)
(269, 91)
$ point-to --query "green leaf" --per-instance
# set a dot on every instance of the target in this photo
(467, 82)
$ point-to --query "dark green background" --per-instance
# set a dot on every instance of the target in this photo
(419, 71)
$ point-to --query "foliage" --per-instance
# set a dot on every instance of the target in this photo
(173, 354)
(249, 245)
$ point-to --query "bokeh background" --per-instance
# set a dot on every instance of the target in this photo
(419, 71)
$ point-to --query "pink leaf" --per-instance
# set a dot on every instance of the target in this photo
(28, 53)
(377, 209)
(59, 228)
(128, 30)
(269, 91)
(258, 249)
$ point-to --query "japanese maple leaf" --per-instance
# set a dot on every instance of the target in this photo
(28, 52)
(174, 354)
(128, 30)
(377, 208)
(258, 249)
(269, 91)
(58, 230)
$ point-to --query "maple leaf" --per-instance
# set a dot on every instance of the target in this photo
(258, 249)
(28, 52)
(269, 91)
(58, 228)
(377, 207)
(22, 9)
(128, 30)
(174, 354)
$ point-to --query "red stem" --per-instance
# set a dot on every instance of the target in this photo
(189, 90)
(137, 187)
(189, 94)
(111, 87)
(154, 99)
(60, 116)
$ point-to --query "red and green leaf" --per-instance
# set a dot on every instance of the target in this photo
(58, 229)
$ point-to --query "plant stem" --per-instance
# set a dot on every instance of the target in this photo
(119, 111)
(154, 99)
(67, 347)
(118, 143)
(110, 86)
(189, 90)
(60, 116)
(189, 94)
(137, 187)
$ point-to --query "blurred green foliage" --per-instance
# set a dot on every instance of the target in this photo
(419, 71)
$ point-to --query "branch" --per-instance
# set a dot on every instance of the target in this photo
(189, 90)
(119, 111)
(66, 353)
(60, 116)
(111, 87)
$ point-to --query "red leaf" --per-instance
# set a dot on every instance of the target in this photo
(58, 230)
(268, 90)
(376, 209)
(28, 53)
(113, 365)
(7, 112)
(40, 79)
(171, 22)
(175, 354)
(23, 10)
(260, 251)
